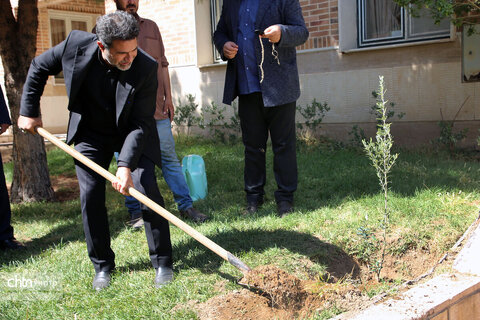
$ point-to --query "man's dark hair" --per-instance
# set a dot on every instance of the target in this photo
(118, 25)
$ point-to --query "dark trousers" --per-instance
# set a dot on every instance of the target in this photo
(6, 230)
(257, 122)
(94, 212)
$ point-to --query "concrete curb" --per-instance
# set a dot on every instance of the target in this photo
(453, 296)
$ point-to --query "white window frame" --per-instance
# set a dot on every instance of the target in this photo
(216, 10)
(406, 34)
(348, 31)
(68, 17)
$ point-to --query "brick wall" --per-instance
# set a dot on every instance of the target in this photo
(321, 18)
(176, 21)
(78, 6)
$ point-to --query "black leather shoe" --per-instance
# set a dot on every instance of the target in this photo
(136, 221)
(136, 224)
(284, 208)
(163, 275)
(101, 280)
(253, 206)
(10, 244)
(194, 214)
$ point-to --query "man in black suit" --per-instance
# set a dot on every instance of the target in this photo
(7, 240)
(111, 85)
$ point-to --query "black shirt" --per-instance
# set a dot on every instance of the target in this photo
(97, 96)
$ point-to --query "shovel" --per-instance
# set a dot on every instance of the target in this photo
(237, 263)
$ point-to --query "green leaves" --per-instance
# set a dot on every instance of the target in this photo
(185, 114)
(461, 12)
(379, 152)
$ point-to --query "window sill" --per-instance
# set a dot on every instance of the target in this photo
(332, 48)
(399, 45)
(213, 65)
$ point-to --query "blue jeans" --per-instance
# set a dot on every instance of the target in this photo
(171, 170)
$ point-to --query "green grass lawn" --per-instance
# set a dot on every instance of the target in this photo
(433, 200)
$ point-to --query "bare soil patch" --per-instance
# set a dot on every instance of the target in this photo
(272, 293)
(65, 187)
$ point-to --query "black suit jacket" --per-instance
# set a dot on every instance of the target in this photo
(135, 94)
(4, 117)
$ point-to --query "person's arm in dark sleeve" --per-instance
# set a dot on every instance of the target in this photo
(41, 67)
(5, 121)
(293, 31)
(220, 36)
(4, 116)
(47, 64)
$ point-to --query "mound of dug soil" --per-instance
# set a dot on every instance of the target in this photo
(275, 294)
(283, 290)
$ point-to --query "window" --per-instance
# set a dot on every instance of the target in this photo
(383, 22)
(61, 23)
(216, 10)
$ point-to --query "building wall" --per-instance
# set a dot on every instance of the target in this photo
(422, 79)
(90, 7)
(321, 19)
(54, 100)
(176, 21)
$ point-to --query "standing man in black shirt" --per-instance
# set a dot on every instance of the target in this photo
(111, 85)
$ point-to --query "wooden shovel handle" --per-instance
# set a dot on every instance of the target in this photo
(148, 202)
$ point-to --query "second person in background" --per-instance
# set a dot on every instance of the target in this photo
(258, 39)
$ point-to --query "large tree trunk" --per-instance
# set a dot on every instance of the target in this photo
(18, 39)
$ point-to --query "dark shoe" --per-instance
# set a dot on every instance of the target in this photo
(136, 222)
(284, 208)
(252, 206)
(163, 275)
(194, 214)
(10, 244)
(101, 280)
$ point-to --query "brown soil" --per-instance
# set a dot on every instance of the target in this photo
(271, 293)
(65, 187)
(281, 296)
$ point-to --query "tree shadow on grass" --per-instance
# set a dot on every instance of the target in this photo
(338, 264)
(329, 178)
(326, 179)
(61, 235)
(69, 227)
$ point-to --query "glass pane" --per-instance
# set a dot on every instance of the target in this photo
(424, 25)
(218, 11)
(216, 7)
(79, 25)
(382, 19)
(58, 31)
